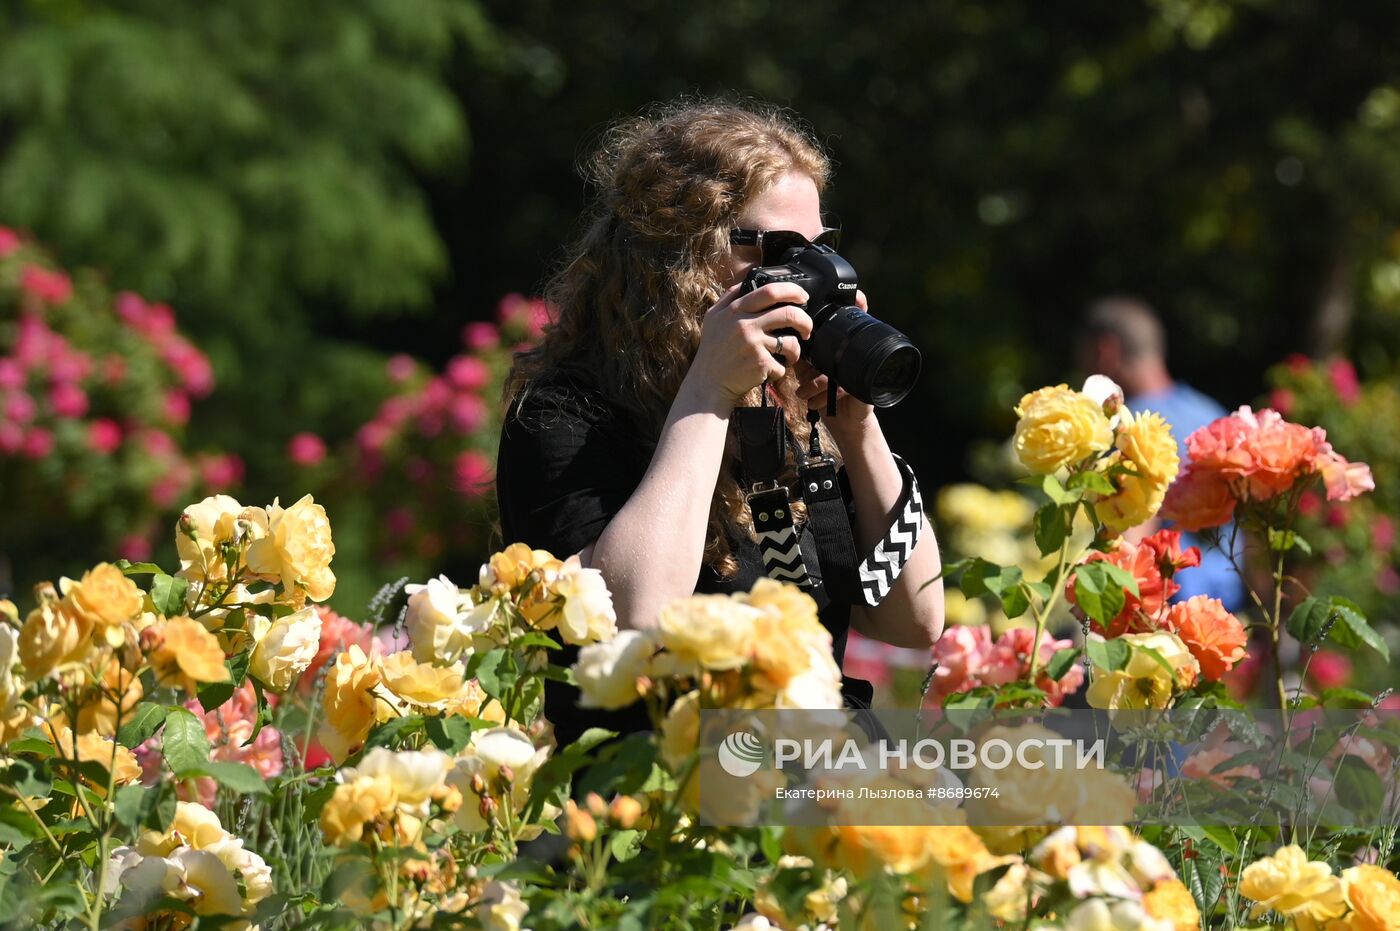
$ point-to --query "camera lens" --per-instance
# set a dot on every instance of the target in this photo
(872, 360)
(895, 374)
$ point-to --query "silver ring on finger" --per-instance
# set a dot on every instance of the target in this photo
(778, 347)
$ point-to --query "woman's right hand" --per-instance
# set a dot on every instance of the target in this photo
(736, 339)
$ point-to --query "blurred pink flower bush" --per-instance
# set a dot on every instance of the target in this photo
(95, 391)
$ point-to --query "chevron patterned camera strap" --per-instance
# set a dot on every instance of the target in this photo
(879, 570)
(763, 440)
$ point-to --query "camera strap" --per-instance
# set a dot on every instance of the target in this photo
(763, 440)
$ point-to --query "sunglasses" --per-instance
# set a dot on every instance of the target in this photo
(775, 244)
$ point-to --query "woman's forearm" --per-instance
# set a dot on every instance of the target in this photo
(908, 616)
(652, 550)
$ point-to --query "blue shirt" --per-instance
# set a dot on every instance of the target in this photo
(1187, 410)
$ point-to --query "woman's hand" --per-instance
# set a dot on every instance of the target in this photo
(852, 414)
(737, 345)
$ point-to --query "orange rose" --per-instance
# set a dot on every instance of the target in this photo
(1199, 498)
(1281, 453)
(1213, 635)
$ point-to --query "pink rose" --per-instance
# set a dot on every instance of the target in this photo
(306, 449)
(51, 288)
(68, 401)
(11, 375)
(38, 443)
(473, 473)
(400, 368)
(467, 373)
(9, 241)
(104, 436)
(480, 335)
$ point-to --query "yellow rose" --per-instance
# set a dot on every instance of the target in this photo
(194, 826)
(1137, 501)
(114, 696)
(1059, 428)
(53, 634)
(819, 906)
(422, 686)
(784, 635)
(416, 775)
(1170, 900)
(709, 631)
(8, 611)
(348, 703)
(106, 599)
(961, 856)
(1146, 441)
(1292, 885)
(214, 522)
(496, 768)
(1144, 683)
(510, 567)
(355, 803)
(187, 653)
(1052, 794)
(1374, 896)
(92, 746)
(680, 732)
(296, 549)
(284, 647)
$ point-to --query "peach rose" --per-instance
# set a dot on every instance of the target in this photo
(1213, 635)
(1199, 498)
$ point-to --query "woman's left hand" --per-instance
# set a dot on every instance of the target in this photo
(852, 414)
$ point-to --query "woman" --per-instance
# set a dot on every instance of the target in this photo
(617, 442)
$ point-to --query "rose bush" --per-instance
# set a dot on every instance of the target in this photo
(213, 747)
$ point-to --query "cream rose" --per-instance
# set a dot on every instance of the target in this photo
(214, 522)
(284, 647)
(588, 614)
(437, 629)
(607, 672)
(1144, 683)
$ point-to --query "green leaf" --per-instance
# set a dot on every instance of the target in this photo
(1122, 578)
(1160, 659)
(1096, 594)
(1358, 788)
(1346, 698)
(492, 672)
(1061, 662)
(625, 845)
(452, 733)
(1056, 492)
(183, 742)
(239, 777)
(1307, 620)
(1112, 655)
(1002, 582)
(1282, 541)
(393, 731)
(138, 568)
(28, 778)
(146, 721)
(1050, 529)
(1354, 630)
(213, 694)
(1095, 482)
(168, 594)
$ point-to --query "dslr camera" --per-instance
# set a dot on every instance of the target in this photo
(869, 358)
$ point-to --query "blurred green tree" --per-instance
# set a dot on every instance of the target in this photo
(257, 164)
(1002, 163)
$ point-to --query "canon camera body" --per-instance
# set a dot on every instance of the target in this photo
(867, 357)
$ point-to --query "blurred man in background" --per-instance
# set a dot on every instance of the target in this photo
(1124, 339)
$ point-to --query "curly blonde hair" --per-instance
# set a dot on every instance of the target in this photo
(635, 286)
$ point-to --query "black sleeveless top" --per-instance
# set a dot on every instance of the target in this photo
(567, 463)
